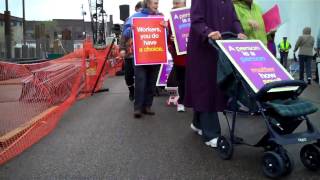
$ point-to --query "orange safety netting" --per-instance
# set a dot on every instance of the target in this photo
(94, 60)
(33, 97)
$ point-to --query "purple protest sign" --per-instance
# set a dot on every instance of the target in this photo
(255, 63)
(164, 73)
(180, 25)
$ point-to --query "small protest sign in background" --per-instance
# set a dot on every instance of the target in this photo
(180, 25)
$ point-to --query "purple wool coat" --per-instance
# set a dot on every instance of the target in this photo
(202, 92)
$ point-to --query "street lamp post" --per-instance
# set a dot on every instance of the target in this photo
(84, 23)
(24, 23)
(24, 46)
(7, 30)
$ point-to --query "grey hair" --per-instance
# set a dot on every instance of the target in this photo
(145, 3)
(179, 1)
(307, 31)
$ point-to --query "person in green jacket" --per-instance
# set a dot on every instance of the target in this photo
(250, 16)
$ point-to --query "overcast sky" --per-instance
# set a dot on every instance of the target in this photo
(69, 9)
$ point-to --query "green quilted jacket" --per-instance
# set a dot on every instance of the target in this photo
(245, 14)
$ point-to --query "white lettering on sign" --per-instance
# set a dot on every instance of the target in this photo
(267, 75)
(244, 49)
(231, 48)
(149, 43)
(148, 29)
(187, 20)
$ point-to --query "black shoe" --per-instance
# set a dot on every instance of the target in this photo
(137, 114)
(131, 97)
(148, 111)
(309, 81)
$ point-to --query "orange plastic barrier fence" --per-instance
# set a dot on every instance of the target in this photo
(33, 97)
(94, 60)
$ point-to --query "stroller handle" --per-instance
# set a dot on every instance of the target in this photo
(224, 35)
(278, 84)
(228, 35)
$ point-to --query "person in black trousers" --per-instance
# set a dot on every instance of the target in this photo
(145, 75)
(127, 53)
(179, 68)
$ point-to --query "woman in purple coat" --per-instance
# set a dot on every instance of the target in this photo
(208, 19)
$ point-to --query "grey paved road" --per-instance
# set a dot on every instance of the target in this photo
(99, 139)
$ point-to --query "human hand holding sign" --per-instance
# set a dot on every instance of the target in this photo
(172, 37)
(133, 28)
(215, 35)
(122, 53)
(253, 24)
(242, 36)
(164, 24)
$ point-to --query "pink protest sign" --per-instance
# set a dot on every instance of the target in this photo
(272, 19)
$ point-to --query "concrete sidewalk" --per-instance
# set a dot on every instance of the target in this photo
(99, 139)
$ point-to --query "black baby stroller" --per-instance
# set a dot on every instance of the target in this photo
(282, 113)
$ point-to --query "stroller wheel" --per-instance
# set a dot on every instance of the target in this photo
(271, 146)
(288, 163)
(272, 164)
(225, 148)
(310, 157)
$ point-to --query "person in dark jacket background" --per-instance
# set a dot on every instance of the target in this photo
(127, 52)
(208, 20)
(305, 44)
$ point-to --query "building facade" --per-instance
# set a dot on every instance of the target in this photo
(16, 31)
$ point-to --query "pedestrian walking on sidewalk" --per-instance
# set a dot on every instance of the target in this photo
(179, 61)
(305, 45)
(145, 75)
(284, 48)
(126, 51)
(208, 19)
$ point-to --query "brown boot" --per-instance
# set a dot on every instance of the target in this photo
(137, 114)
(148, 111)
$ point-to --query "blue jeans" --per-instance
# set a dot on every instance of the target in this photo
(145, 84)
(305, 61)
